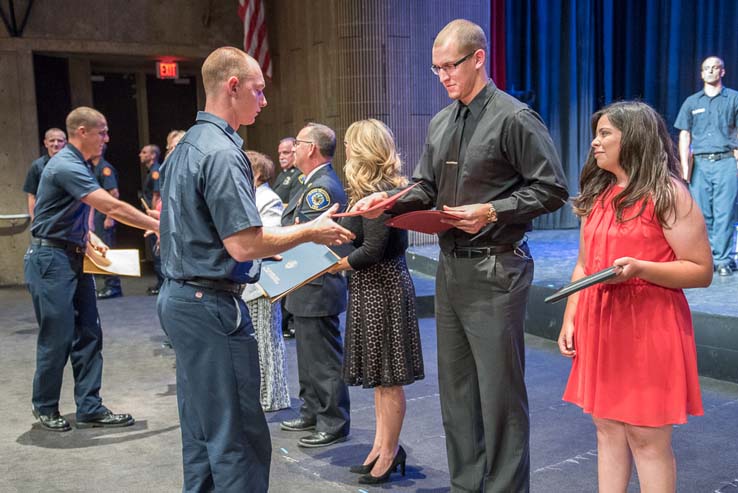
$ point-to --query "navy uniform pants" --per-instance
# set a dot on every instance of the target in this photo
(108, 237)
(69, 328)
(480, 312)
(225, 439)
(156, 259)
(324, 394)
(714, 186)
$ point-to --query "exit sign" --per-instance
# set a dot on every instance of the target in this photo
(167, 70)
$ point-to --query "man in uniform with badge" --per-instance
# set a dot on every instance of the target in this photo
(54, 141)
(104, 226)
(63, 295)
(316, 306)
(149, 157)
(211, 236)
(290, 180)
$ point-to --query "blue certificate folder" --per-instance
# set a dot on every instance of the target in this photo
(298, 266)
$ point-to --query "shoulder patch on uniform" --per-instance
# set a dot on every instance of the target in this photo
(155, 175)
(318, 199)
(301, 178)
(107, 171)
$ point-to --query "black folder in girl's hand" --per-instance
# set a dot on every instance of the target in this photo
(582, 283)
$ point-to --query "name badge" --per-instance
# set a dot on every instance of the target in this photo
(698, 111)
(452, 162)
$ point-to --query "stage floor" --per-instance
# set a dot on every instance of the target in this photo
(139, 378)
(555, 253)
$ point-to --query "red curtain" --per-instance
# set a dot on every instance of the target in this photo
(497, 43)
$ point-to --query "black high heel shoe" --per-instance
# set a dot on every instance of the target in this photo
(399, 460)
(364, 468)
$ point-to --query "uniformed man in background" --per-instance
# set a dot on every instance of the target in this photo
(289, 181)
(104, 226)
(211, 236)
(316, 306)
(149, 157)
(63, 295)
(54, 140)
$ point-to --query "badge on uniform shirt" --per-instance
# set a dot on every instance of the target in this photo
(318, 199)
(155, 175)
(698, 111)
(287, 180)
(107, 171)
(301, 179)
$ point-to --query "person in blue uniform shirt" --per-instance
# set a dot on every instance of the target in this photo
(54, 140)
(490, 160)
(104, 226)
(708, 124)
(149, 157)
(316, 306)
(63, 295)
(211, 235)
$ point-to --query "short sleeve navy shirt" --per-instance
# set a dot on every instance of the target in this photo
(151, 184)
(34, 174)
(711, 121)
(59, 212)
(107, 177)
(207, 195)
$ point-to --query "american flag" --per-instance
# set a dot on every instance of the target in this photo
(255, 41)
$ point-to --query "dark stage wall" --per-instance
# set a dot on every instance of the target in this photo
(569, 58)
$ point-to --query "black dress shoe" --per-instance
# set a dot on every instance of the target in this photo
(288, 334)
(298, 424)
(51, 422)
(107, 420)
(152, 291)
(108, 293)
(724, 270)
(320, 439)
(399, 460)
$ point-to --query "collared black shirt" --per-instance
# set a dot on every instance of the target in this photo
(151, 183)
(207, 195)
(34, 174)
(60, 213)
(711, 121)
(288, 183)
(507, 159)
(107, 177)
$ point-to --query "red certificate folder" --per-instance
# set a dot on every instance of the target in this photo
(582, 283)
(385, 204)
(422, 221)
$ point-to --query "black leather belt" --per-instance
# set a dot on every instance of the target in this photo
(479, 252)
(64, 245)
(715, 156)
(217, 285)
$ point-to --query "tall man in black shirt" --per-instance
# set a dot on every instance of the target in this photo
(489, 159)
(54, 140)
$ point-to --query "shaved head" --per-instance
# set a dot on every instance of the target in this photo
(224, 63)
(465, 34)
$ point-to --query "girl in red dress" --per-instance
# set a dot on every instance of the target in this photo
(631, 339)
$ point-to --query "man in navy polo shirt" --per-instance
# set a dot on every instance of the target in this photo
(104, 226)
(211, 236)
(708, 121)
(54, 141)
(63, 296)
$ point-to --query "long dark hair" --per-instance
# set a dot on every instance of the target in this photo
(647, 155)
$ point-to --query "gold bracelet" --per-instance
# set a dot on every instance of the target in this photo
(491, 214)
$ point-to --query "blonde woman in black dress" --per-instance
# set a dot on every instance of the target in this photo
(382, 344)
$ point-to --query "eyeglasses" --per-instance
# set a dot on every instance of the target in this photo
(299, 141)
(450, 68)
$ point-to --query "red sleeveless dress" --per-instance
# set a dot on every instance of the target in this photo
(636, 360)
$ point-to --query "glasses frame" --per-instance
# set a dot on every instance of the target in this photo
(449, 68)
(300, 141)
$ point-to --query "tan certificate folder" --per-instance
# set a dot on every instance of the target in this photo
(115, 262)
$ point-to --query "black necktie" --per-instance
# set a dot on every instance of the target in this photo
(453, 164)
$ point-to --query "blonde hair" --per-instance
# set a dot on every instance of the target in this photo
(224, 63)
(373, 164)
(83, 116)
